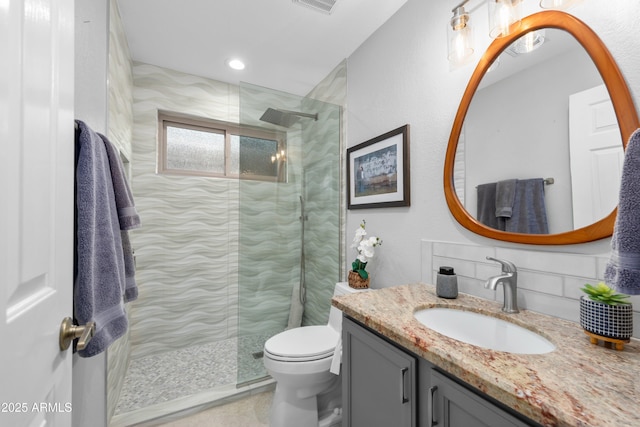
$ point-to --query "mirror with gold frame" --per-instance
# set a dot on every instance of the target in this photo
(625, 113)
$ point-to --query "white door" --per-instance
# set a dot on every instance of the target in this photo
(36, 210)
(596, 155)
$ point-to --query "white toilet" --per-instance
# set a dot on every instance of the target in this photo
(307, 394)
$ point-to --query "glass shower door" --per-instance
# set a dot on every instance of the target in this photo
(270, 263)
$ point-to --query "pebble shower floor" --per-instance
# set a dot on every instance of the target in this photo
(164, 377)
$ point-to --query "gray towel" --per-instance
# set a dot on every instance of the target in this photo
(487, 206)
(130, 287)
(623, 269)
(529, 213)
(505, 195)
(127, 217)
(100, 269)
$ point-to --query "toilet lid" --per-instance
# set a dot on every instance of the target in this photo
(307, 342)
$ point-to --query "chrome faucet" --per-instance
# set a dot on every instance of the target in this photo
(509, 280)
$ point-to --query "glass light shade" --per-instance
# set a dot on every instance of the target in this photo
(504, 17)
(558, 4)
(460, 38)
(529, 42)
(494, 66)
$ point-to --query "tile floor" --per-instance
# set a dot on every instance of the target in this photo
(252, 411)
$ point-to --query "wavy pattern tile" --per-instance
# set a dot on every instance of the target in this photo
(187, 250)
(269, 251)
(120, 84)
(324, 174)
(119, 133)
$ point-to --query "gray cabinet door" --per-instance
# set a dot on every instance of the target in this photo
(456, 406)
(379, 381)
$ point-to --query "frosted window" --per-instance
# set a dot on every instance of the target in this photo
(205, 147)
(253, 156)
(234, 157)
(189, 149)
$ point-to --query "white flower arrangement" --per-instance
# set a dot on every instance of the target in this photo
(365, 247)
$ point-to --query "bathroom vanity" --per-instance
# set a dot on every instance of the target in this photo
(396, 371)
(381, 386)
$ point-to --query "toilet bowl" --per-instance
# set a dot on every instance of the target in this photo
(307, 394)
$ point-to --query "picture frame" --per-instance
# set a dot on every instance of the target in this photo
(378, 171)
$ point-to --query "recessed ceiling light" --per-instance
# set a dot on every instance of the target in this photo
(236, 64)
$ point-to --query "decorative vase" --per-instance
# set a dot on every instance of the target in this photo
(357, 282)
(611, 321)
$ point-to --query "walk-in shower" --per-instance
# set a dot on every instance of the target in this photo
(224, 264)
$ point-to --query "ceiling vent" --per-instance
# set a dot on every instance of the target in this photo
(324, 6)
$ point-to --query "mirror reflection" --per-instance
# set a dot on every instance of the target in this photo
(540, 149)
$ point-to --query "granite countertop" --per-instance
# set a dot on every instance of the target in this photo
(578, 384)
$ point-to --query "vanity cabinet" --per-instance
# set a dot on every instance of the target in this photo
(452, 404)
(385, 385)
(378, 380)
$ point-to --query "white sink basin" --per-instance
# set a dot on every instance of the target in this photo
(483, 331)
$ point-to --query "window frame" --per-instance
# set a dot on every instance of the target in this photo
(227, 129)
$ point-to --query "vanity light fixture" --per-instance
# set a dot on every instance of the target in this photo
(558, 4)
(279, 157)
(527, 43)
(504, 17)
(459, 36)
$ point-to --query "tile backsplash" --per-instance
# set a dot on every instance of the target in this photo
(548, 282)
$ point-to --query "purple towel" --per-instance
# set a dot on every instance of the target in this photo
(127, 217)
(127, 214)
(623, 269)
(529, 214)
(100, 268)
(505, 196)
(486, 206)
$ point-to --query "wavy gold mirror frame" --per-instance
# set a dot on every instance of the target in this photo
(620, 97)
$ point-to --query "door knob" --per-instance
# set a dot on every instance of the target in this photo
(70, 332)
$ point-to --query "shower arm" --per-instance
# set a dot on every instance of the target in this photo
(301, 114)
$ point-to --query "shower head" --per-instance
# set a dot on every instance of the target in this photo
(285, 118)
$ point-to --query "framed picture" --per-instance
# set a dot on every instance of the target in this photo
(378, 171)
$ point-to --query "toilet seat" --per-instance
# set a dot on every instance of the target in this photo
(302, 344)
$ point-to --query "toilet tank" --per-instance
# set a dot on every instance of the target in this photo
(335, 315)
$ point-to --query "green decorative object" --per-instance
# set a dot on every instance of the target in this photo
(606, 313)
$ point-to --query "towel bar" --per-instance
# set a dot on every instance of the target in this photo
(547, 181)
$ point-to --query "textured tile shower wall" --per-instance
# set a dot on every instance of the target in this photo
(186, 251)
(325, 200)
(120, 123)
